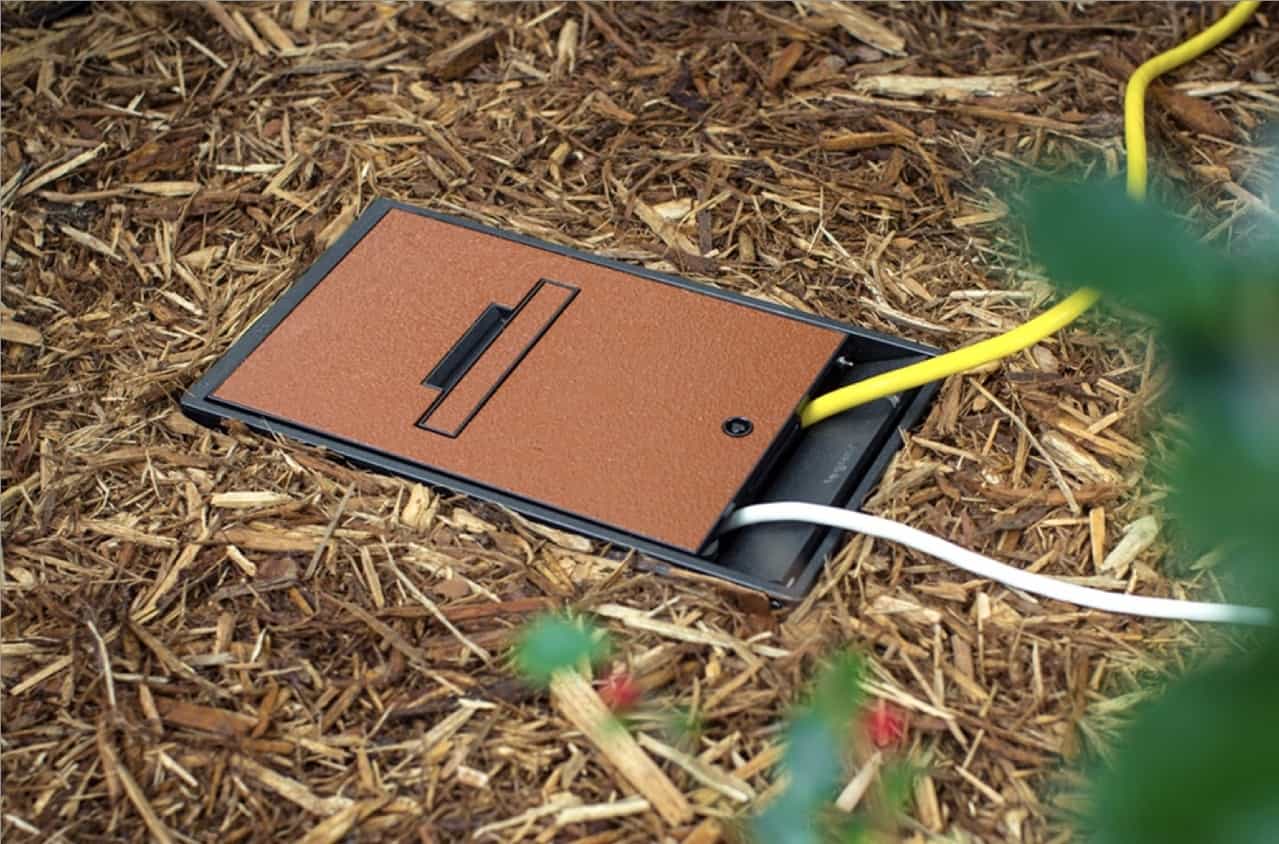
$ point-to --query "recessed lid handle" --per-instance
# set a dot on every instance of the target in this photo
(467, 350)
(486, 355)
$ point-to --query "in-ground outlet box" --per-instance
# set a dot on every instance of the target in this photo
(628, 405)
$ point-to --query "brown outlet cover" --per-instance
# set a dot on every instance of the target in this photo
(603, 395)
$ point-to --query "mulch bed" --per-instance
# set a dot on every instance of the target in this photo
(211, 636)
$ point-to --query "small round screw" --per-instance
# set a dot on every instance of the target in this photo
(738, 426)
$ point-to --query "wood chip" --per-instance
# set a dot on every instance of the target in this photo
(290, 789)
(471, 777)
(453, 61)
(205, 718)
(130, 534)
(34, 679)
(1193, 113)
(566, 47)
(571, 541)
(171, 661)
(852, 794)
(709, 831)
(272, 31)
(633, 805)
(638, 620)
(862, 25)
(1075, 461)
(581, 705)
(15, 332)
(137, 796)
(911, 611)
(219, 14)
(88, 240)
(943, 87)
(20, 54)
(784, 63)
(669, 232)
(337, 826)
(248, 499)
(843, 140)
(556, 803)
(269, 540)
(1138, 536)
(166, 188)
(1097, 535)
(707, 775)
(926, 800)
(603, 105)
(250, 34)
(61, 170)
(300, 18)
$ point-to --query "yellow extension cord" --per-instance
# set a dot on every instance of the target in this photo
(1066, 311)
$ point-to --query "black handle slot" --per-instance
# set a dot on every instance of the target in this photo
(468, 349)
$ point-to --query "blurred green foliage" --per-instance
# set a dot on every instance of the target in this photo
(817, 740)
(1200, 763)
(553, 642)
(817, 737)
(682, 727)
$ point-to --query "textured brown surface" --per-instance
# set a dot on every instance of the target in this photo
(614, 414)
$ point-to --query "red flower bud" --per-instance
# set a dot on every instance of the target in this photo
(885, 724)
(620, 691)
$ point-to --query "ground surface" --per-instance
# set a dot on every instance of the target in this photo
(266, 615)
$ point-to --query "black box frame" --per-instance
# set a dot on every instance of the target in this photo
(796, 578)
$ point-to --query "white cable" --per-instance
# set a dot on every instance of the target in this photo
(1048, 587)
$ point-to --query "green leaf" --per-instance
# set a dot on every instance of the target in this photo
(850, 830)
(683, 727)
(1224, 494)
(552, 642)
(1093, 235)
(1201, 764)
(837, 693)
(812, 759)
(896, 785)
(784, 823)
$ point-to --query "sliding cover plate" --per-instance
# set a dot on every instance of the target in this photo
(590, 394)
